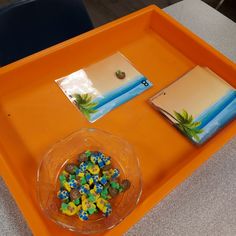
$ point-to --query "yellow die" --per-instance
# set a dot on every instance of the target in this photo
(86, 205)
(71, 209)
(66, 186)
(81, 174)
(94, 170)
(101, 204)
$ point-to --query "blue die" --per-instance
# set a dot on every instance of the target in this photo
(88, 177)
(83, 190)
(83, 166)
(103, 180)
(72, 183)
(101, 163)
(83, 215)
(78, 170)
(116, 173)
(102, 156)
(63, 194)
(98, 188)
(95, 178)
(108, 210)
(94, 159)
(107, 160)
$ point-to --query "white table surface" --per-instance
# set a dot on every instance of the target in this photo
(205, 204)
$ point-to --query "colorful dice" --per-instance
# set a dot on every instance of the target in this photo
(63, 194)
(83, 215)
(98, 188)
(89, 179)
(83, 189)
(94, 159)
(66, 185)
(69, 209)
(116, 173)
(107, 160)
(94, 169)
(86, 187)
(83, 166)
(95, 178)
(101, 204)
(103, 180)
(88, 206)
(107, 210)
(73, 183)
(101, 163)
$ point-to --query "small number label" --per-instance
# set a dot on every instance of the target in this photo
(145, 83)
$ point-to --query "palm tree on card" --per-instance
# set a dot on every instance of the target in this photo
(85, 104)
(185, 123)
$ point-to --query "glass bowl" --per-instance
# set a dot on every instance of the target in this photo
(122, 156)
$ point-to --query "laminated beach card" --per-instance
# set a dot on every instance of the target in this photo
(100, 87)
(198, 104)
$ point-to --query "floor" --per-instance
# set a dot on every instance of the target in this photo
(228, 8)
(103, 11)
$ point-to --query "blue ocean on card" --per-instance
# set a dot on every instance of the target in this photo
(115, 98)
(217, 116)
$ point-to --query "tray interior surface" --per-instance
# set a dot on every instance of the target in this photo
(34, 113)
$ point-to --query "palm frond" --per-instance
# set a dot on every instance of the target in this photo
(85, 104)
(186, 124)
(185, 114)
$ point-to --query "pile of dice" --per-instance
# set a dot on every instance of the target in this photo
(87, 186)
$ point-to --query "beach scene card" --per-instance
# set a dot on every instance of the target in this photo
(198, 104)
(101, 87)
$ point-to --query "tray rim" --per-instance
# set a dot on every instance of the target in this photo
(158, 194)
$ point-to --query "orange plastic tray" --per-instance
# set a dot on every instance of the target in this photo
(35, 114)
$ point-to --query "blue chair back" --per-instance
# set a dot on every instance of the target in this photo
(29, 26)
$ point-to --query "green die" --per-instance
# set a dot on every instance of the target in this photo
(115, 185)
(88, 153)
(83, 181)
(77, 201)
(91, 211)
